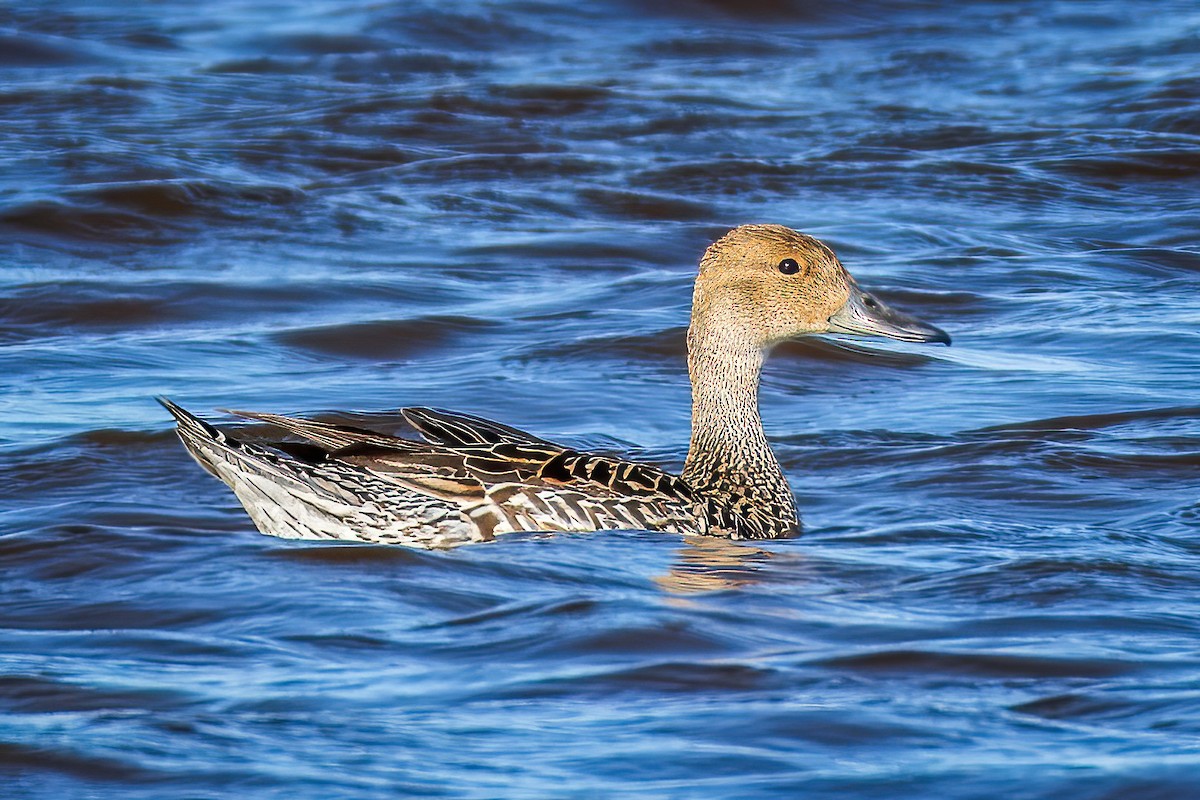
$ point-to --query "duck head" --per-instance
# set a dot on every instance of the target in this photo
(773, 284)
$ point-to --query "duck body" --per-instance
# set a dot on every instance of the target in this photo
(470, 479)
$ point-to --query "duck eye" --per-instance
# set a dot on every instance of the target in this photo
(789, 266)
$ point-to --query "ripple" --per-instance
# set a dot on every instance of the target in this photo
(387, 339)
(25, 758)
(1149, 709)
(1090, 422)
(26, 50)
(1130, 166)
(149, 211)
(643, 205)
(22, 694)
(662, 678)
(980, 665)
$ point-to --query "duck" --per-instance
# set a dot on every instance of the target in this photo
(469, 479)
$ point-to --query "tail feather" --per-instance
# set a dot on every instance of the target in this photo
(190, 422)
(266, 483)
(194, 432)
(319, 498)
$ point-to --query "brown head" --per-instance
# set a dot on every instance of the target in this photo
(771, 283)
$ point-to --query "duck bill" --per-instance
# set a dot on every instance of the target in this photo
(866, 315)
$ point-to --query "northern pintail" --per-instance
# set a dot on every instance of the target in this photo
(472, 479)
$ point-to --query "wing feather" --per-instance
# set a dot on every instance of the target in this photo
(505, 479)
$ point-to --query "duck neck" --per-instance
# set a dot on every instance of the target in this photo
(729, 456)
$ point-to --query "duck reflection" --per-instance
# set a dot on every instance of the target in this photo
(710, 564)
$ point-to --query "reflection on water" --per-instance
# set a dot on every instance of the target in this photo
(709, 564)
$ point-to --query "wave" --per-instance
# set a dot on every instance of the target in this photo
(152, 212)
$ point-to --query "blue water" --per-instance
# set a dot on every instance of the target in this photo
(497, 207)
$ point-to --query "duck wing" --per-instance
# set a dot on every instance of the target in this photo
(505, 479)
(438, 426)
(534, 485)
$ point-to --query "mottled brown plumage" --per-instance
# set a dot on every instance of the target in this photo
(472, 479)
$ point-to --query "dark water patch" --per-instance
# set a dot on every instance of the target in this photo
(24, 50)
(726, 177)
(1117, 170)
(132, 84)
(911, 663)
(1168, 712)
(658, 640)
(1092, 422)
(843, 351)
(262, 65)
(122, 440)
(763, 11)
(717, 45)
(154, 212)
(23, 694)
(21, 758)
(352, 554)
(104, 616)
(78, 222)
(320, 44)
(449, 117)
(785, 728)
(70, 308)
(641, 205)
(664, 678)
(100, 310)
(555, 100)
(667, 347)
(184, 198)
(341, 158)
(871, 153)
(389, 340)
(946, 137)
(1131, 465)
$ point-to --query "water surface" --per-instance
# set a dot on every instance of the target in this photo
(497, 207)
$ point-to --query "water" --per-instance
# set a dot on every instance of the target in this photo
(497, 207)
